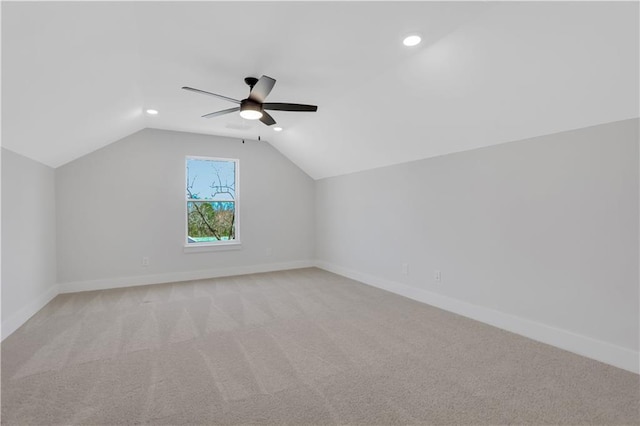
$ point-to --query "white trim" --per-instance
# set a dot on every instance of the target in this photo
(582, 345)
(16, 320)
(107, 283)
(199, 248)
(599, 350)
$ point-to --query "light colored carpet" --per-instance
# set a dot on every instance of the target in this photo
(292, 347)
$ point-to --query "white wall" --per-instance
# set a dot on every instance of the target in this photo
(539, 236)
(543, 230)
(126, 201)
(28, 239)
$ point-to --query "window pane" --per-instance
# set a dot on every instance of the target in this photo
(211, 179)
(210, 221)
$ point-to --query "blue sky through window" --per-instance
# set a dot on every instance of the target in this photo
(211, 179)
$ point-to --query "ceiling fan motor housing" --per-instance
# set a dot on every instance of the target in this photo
(250, 109)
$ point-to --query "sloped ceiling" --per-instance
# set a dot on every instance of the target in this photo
(77, 76)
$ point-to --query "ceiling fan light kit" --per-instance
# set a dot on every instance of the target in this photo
(250, 110)
(253, 107)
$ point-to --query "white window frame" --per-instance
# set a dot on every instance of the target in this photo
(234, 244)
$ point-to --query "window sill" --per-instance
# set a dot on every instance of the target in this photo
(201, 248)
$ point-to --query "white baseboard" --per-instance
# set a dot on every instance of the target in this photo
(102, 284)
(608, 353)
(16, 320)
(582, 345)
(23, 315)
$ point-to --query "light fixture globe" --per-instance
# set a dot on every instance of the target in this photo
(250, 110)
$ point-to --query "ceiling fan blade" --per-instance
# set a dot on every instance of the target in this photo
(267, 119)
(191, 89)
(223, 112)
(262, 89)
(275, 106)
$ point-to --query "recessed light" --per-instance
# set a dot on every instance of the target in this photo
(412, 40)
(277, 129)
(152, 112)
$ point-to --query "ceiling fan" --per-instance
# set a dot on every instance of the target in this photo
(253, 107)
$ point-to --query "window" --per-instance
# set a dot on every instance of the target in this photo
(211, 201)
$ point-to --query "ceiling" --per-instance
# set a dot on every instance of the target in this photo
(77, 76)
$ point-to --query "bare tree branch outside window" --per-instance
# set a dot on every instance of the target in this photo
(210, 200)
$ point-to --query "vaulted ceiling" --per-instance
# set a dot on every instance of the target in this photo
(77, 76)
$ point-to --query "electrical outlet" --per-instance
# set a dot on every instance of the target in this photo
(145, 261)
(437, 275)
(405, 269)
